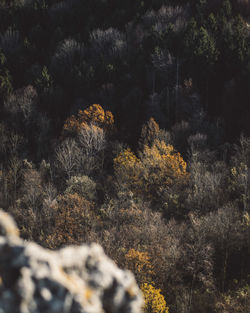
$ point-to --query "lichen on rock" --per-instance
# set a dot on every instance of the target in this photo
(75, 279)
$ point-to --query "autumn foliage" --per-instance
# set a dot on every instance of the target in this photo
(165, 188)
(163, 162)
(158, 166)
(73, 218)
(139, 263)
(154, 301)
(128, 168)
(94, 114)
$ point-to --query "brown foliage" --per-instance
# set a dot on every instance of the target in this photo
(73, 218)
(149, 132)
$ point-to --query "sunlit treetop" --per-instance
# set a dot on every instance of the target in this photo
(164, 157)
(94, 114)
(158, 165)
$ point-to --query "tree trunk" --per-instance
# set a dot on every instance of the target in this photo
(190, 296)
(224, 270)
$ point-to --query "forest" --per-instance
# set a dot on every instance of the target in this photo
(127, 123)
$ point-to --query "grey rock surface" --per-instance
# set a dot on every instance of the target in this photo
(75, 279)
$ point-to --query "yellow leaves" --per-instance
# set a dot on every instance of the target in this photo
(109, 118)
(139, 263)
(126, 158)
(246, 219)
(127, 167)
(241, 170)
(234, 171)
(140, 258)
(94, 115)
(158, 166)
(164, 157)
(154, 301)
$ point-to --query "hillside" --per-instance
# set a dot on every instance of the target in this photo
(128, 124)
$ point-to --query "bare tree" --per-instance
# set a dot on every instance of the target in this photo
(15, 166)
(67, 157)
(3, 138)
(31, 188)
(14, 142)
(9, 41)
(198, 258)
(43, 134)
(207, 177)
(69, 53)
(92, 141)
(241, 170)
(206, 188)
(224, 230)
(23, 101)
(165, 15)
(47, 209)
(108, 44)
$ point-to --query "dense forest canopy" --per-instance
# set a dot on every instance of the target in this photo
(127, 123)
(76, 53)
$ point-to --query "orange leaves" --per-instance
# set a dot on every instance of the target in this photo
(72, 124)
(138, 261)
(73, 216)
(109, 118)
(94, 115)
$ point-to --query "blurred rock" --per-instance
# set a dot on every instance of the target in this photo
(71, 280)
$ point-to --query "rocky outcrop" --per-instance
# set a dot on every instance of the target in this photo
(75, 279)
